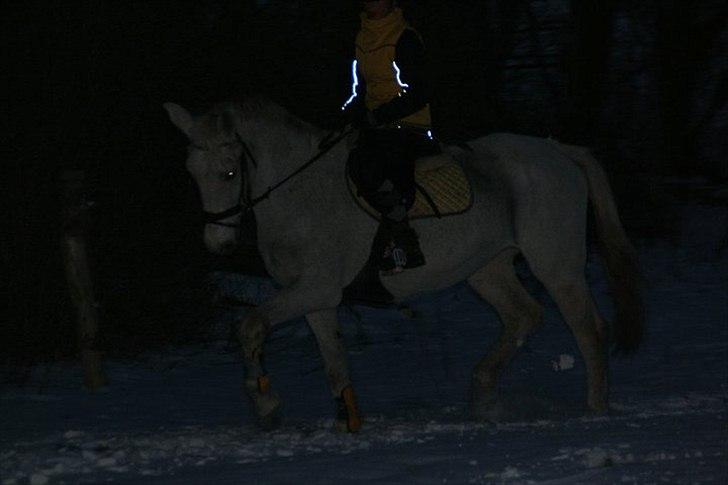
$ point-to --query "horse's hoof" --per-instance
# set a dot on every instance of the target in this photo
(347, 414)
(486, 408)
(598, 405)
(492, 412)
(272, 420)
(94, 377)
(268, 409)
(341, 425)
(345, 425)
(266, 403)
(598, 412)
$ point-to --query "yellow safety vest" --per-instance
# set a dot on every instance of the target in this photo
(376, 45)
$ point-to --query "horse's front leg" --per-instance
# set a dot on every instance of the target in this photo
(298, 300)
(325, 326)
(266, 403)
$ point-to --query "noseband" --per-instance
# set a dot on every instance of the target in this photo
(246, 203)
(216, 218)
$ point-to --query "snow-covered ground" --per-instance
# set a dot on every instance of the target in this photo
(181, 417)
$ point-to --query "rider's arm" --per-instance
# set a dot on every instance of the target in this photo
(354, 108)
(410, 60)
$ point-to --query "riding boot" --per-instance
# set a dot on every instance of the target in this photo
(406, 238)
(403, 251)
(382, 247)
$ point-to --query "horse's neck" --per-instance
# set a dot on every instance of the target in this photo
(280, 154)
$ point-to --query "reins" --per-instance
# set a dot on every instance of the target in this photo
(325, 145)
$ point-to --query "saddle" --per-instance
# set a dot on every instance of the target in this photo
(442, 189)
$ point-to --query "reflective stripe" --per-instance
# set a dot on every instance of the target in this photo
(398, 74)
(354, 85)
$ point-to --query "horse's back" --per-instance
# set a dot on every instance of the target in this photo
(531, 166)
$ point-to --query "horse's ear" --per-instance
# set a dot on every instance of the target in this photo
(181, 118)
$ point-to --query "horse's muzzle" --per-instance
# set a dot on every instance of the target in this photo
(226, 248)
(221, 240)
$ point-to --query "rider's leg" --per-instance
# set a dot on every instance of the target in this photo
(402, 174)
(382, 166)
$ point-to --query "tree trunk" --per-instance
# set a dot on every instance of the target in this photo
(75, 218)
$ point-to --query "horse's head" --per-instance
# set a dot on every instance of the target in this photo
(216, 162)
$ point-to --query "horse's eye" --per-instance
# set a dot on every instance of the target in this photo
(229, 175)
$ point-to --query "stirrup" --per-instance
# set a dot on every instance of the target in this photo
(399, 257)
(392, 260)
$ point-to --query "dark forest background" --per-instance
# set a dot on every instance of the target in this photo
(644, 83)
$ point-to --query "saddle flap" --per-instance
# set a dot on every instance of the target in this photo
(433, 162)
(444, 183)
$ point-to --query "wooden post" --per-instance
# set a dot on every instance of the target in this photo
(75, 219)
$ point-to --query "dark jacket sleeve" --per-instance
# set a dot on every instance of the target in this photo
(412, 64)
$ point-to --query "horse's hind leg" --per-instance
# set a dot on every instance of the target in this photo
(575, 302)
(325, 327)
(520, 315)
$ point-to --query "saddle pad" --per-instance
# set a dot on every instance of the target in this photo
(446, 184)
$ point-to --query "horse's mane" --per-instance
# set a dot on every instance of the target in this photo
(258, 108)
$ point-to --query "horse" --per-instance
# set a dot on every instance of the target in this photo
(530, 197)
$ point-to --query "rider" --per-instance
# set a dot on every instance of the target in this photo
(390, 105)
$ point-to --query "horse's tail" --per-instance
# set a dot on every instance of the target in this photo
(620, 257)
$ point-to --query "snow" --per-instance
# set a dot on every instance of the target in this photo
(565, 362)
(181, 416)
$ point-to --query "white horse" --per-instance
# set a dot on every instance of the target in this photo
(530, 197)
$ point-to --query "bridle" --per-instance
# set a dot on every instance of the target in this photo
(217, 218)
(245, 203)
